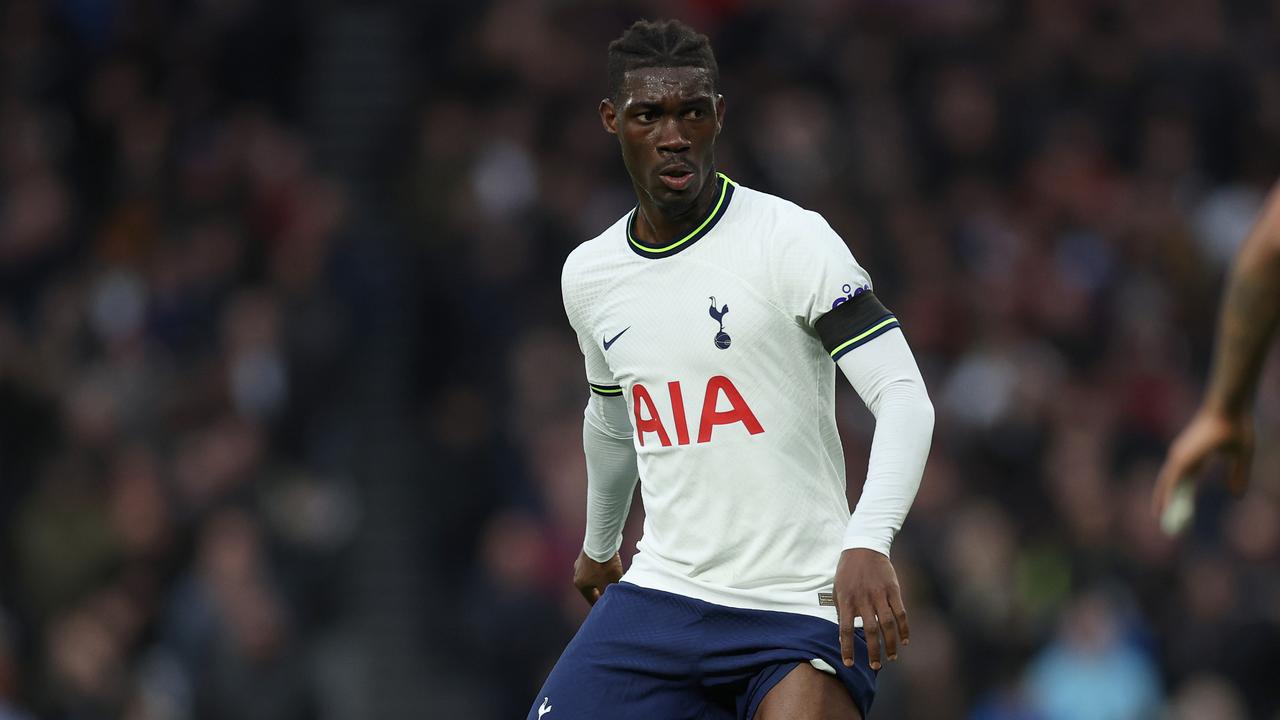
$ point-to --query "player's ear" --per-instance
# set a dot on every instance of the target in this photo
(719, 113)
(609, 116)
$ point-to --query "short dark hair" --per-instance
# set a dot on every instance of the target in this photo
(659, 44)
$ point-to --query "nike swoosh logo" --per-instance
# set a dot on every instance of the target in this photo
(609, 343)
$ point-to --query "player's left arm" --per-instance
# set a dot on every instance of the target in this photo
(867, 343)
(820, 283)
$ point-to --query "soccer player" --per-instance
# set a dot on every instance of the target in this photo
(713, 318)
(1224, 422)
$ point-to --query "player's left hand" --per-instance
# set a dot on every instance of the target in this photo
(867, 587)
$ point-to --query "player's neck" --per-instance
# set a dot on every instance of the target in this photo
(654, 225)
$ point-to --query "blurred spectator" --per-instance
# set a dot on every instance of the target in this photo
(9, 678)
(1092, 669)
(1206, 696)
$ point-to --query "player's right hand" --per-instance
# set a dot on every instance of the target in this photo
(1207, 434)
(591, 577)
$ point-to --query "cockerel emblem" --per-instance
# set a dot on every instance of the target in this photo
(722, 337)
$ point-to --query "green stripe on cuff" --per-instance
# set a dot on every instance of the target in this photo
(606, 390)
(870, 333)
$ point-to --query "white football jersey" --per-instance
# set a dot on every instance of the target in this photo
(715, 342)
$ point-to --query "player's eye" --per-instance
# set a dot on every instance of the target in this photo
(694, 114)
(646, 116)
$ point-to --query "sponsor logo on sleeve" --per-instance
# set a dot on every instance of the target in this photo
(849, 293)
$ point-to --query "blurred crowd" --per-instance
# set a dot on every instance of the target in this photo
(171, 335)
(1047, 194)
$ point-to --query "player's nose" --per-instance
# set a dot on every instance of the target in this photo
(671, 138)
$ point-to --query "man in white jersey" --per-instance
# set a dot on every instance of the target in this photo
(712, 319)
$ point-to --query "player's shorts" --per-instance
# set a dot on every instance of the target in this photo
(646, 654)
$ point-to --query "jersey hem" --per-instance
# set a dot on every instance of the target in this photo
(799, 603)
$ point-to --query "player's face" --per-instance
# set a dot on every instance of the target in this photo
(667, 120)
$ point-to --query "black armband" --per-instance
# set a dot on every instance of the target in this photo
(854, 323)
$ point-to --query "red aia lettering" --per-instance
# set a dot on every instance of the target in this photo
(677, 407)
(737, 412)
(648, 420)
(650, 424)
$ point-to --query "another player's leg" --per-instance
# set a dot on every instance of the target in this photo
(808, 694)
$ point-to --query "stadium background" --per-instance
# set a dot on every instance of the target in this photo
(290, 413)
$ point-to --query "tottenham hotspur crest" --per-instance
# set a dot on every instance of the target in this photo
(722, 337)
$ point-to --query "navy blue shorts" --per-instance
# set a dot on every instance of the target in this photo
(650, 655)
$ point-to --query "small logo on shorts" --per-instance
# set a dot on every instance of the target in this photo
(722, 338)
(546, 707)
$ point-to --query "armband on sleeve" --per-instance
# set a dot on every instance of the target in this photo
(854, 323)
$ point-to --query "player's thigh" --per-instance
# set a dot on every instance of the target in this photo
(808, 694)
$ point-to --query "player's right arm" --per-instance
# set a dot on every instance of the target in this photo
(611, 459)
(1250, 312)
(611, 482)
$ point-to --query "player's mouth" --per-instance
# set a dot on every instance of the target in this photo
(677, 177)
